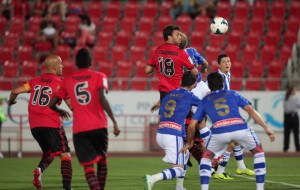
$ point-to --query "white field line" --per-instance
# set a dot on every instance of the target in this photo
(268, 181)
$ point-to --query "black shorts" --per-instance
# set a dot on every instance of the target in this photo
(53, 140)
(91, 146)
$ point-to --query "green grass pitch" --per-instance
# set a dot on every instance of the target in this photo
(125, 173)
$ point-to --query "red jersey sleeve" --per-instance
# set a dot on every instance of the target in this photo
(62, 92)
(153, 59)
(102, 81)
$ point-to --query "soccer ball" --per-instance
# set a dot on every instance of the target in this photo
(219, 25)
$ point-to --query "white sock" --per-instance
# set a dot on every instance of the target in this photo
(156, 177)
(179, 182)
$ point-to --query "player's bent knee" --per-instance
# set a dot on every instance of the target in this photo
(208, 154)
(257, 149)
(65, 155)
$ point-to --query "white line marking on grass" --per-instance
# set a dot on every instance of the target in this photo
(282, 183)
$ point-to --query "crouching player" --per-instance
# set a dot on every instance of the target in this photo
(222, 106)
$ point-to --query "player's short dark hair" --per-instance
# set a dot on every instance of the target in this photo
(188, 79)
(221, 57)
(168, 30)
(83, 58)
(215, 81)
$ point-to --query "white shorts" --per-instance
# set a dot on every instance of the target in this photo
(172, 144)
(218, 143)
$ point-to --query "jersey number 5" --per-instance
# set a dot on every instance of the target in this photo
(166, 66)
(83, 96)
(220, 104)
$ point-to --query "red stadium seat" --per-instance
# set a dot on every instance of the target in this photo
(3, 24)
(272, 84)
(163, 21)
(146, 24)
(150, 9)
(106, 67)
(24, 53)
(275, 68)
(202, 23)
(153, 84)
(10, 69)
(253, 40)
(132, 9)
(109, 24)
(34, 23)
(123, 38)
(104, 38)
(95, 9)
(6, 85)
(271, 39)
(158, 39)
(137, 53)
(268, 53)
(235, 39)
(17, 25)
(236, 84)
(28, 38)
(141, 38)
(238, 69)
(124, 69)
(119, 84)
(216, 40)
(100, 53)
(232, 51)
(128, 24)
(69, 67)
(118, 53)
(211, 53)
(139, 84)
(285, 53)
(71, 23)
(238, 26)
(278, 9)
(275, 25)
(113, 9)
(242, 9)
(253, 85)
(165, 8)
(76, 8)
(260, 9)
(294, 9)
(256, 26)
(197, 38)
(292, 25)
(6, 53)
(249, 52)
(11, 39)
(64, 51)
(224, 9)
(185, 22)
(256, 69)
(29, 68)
(140, 69)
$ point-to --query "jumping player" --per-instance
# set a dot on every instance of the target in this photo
(45, 124)
(222, 106)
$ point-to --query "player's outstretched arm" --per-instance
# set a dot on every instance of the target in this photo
(149, 69)
(14, 94)
(63, 113)
(255, 115)
(155, 106)
(107, 109)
